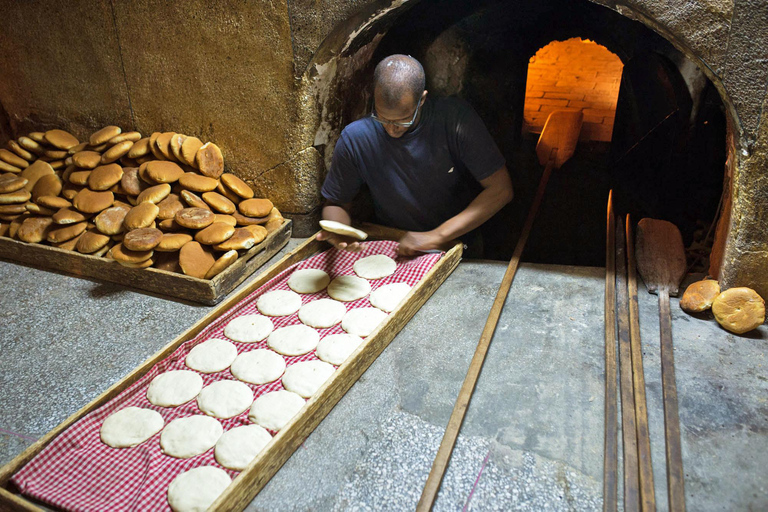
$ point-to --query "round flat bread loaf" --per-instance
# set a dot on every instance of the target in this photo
(348, 288)
(739, 310)
(236, 185)
(194, 218)
(225, 398)
(103, 135)
(130, 426)
(699, 296)
(143, 239)
(239, 446)
(221, 264)
(293, 340)
(336, 348)
(219, 203)
(172, 242)
(196, 260)
(375, 267)
(322, 313)
(211, 356)
(255, 207)
(258, 366)
(274, 410)
(209, 160)
(187, 437)
(389, 296)
(61, 139)
(173, 388)
(196, 490)
(249, 328)
(110, 221)
(342, 229)
(306, 377)
(279, 303)
(362, 321)
(308, 280)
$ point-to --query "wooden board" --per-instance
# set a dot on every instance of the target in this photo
(162, 282)
(251, 480)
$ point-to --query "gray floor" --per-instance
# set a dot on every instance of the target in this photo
(533, 435)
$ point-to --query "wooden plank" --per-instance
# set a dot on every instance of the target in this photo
(610, 447)
(162, 282)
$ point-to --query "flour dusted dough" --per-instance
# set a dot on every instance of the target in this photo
(342, 229)
(211, 356)
(186, 437)
(130, 426)
(258, 366)
(273, 410)
(293, 340)
(195, 490)
(239, 446)
(336, 348)
(249, 328)
(279, 303)
(322, 313)
(308, 280)
(389, 296)
(362, 321)
(375, 267)
(348, 288)
(174, 388)
(225, 398)
(305, 378)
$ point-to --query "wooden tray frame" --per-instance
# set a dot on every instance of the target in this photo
(251, 480)
(162, 282)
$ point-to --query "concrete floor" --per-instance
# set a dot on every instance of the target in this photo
(533, 435)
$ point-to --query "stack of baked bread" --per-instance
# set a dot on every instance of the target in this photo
(162, 201)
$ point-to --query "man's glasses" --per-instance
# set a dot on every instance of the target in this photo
(395, 123)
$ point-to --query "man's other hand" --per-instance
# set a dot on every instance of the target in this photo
(345, 243)
(414, 243)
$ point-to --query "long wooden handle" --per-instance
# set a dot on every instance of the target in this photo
(610, 447)
(440, 463)
(675, 475)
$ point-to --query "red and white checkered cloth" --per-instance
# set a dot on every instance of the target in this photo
(76, 471)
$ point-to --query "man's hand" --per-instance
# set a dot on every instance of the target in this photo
(414, 243)
(346, 243)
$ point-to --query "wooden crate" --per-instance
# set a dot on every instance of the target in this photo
(162, 282)
(250, 481)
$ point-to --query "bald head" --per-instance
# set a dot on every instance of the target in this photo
(398, 76)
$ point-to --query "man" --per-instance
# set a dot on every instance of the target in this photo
(431, 166)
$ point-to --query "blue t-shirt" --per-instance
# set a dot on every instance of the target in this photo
(421, 179)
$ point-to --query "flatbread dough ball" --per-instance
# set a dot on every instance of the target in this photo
(187, 437)
(171, 389)
(225, 398)
(239, 446)
(739, 310)
(279, 303)
(336, 348)
(258, 366)
(196, 490)
(699, 296)
(308, 280)
(362, 321)
(293, 340)
(211, 356)
(273, 410)
(306, 377)
(389, 296)
(249, 328)
(348, 288)
(130, 426)
(322, 313)
(375, 267)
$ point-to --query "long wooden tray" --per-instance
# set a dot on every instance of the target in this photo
(251, 480)
(162, 282)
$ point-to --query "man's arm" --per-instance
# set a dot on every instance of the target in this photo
(339, 213)
(497, 191)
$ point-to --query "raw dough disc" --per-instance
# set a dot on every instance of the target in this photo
(279, 303)
(195, 490)
(362, 321)
(186, 437)
(389, 296)
(308, 280)
(322, 313)
(211, 356)
(225, 398)
(130, 426)
(275, 409)
(342, 229)
(239, 446)
(336, 348)
(375, 267)
(293, 340)
(258, 366)
(348, 288)
(174, 388)
(249, 328)
(305, 378)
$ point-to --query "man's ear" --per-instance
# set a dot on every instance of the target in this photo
(423, 95)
